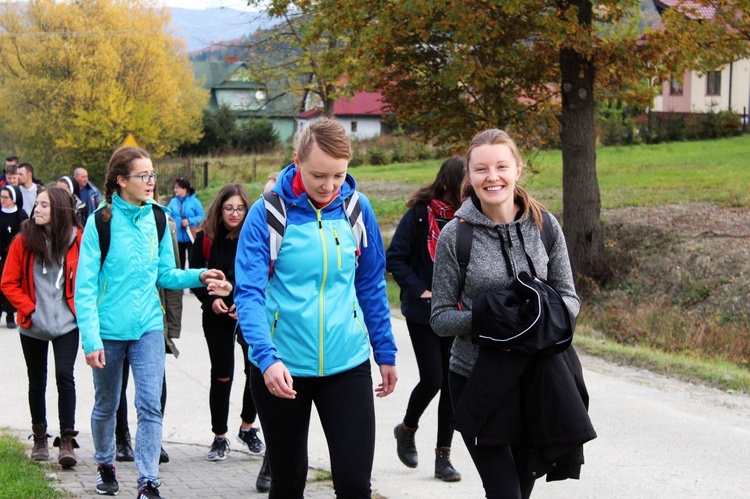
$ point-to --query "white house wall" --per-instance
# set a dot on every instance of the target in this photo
(695, 87)
(366, 127)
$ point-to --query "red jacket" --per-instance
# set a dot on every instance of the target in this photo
(18, 277)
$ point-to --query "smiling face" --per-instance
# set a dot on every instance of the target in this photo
(42, 209)
(322, 175)
(131, 188)
(493, 172)
(6, 201)
(230, 212)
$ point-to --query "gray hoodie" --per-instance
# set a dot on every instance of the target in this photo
(487, 271)
(52, 316)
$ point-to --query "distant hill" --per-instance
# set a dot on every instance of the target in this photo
(205, 27)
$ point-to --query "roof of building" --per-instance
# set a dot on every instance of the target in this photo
(360, 104)
(222, 74)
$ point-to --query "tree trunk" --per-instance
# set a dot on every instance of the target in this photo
(581, 199)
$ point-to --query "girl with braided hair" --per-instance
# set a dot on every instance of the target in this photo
(120, 312)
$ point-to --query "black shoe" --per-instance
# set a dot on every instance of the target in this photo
(405, 445)
(148, 491)
(444, 470)
(106, 481)
(10, 322)
(251, 439)
(219, 449)
(263, 483)
(124, 449)
(163, 456)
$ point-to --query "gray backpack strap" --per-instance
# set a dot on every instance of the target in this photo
(276, 221)
(354, 214)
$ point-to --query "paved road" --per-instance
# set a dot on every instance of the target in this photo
(658, 438)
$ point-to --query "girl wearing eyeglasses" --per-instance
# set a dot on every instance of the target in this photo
(215, 247)
(39, 281)
(11, 216)
(188, 214)
(120, 314)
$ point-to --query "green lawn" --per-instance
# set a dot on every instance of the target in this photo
(20, 477)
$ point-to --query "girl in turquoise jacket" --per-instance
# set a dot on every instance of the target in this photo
(120, 314)
(310, 326)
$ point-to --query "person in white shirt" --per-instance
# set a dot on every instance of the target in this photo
(29, 189)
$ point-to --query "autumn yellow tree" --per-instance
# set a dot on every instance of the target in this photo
(76, 77)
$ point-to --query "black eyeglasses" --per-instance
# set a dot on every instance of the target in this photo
(5, 197)
(145, 177)
(229, 209)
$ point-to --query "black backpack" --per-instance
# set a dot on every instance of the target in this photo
(105, 232)
(464, 239)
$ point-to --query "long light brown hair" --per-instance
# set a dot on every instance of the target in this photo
(494, 136)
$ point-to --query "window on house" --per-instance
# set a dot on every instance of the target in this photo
(713, 83)
(354, 127)
(675, 87)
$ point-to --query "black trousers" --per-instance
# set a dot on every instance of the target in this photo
(219, 330)
(347, 412)
(433, 353)
(65, 350)
(496, 464)
(184, 250)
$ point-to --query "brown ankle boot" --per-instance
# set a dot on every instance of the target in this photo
(40, 452)
(444, 470)
(67, 442)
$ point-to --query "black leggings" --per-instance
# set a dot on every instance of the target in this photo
(219, 330)
(347, 412)
(121, 428)
(183, 250)
(65, 350)
(432, 353)
(496, 464)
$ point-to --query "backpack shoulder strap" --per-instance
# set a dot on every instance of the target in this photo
(547, 238)
(353, 210)
(161, 221)
(464, 236)
(207, 243)
(102, 228)
(276, 222)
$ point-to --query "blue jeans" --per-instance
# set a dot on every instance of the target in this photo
(146, 356)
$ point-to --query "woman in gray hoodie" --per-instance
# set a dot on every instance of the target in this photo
(507, 223)
(39, 280)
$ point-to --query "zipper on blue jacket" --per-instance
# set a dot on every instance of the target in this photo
(338, 246)
(321, 293)
(275, 321)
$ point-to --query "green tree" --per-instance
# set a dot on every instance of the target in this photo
(76, 77)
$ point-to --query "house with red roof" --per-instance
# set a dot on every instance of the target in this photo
(725, 89)
(361, 115)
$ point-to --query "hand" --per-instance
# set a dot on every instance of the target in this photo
(219, 288)
(233, 312)
(279, 381)
(185, 222)
(390, 377)
(212, 274)
(96, 359)
(426, 294)
(219, 307)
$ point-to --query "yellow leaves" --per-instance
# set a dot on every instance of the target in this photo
(84, 73)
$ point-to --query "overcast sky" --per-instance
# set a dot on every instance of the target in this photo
(207, 4)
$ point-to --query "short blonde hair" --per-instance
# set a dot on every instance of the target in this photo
(330, 136)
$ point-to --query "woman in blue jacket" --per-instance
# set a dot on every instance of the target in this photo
(410, 260)
(310, 325)
(188, 214)
(120, 314)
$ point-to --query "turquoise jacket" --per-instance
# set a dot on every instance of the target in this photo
(323, 308)
(189, 208)
(119, 300)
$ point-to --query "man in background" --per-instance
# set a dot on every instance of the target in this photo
(29, 189)
(89, 193)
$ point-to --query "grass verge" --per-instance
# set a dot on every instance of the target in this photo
(717, 373)
(19, 476)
